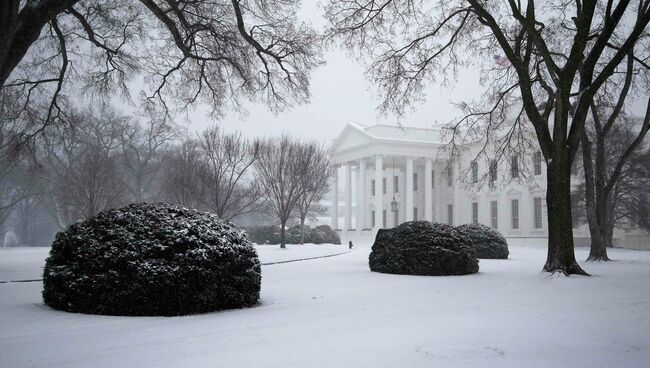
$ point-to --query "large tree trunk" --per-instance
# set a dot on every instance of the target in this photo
(282, 240)
(561, 257)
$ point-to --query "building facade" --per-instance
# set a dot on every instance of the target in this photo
(390, 174)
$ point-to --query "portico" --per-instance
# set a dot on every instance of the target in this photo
(387, 181)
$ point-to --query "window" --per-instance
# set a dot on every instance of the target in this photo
(433, 179)
(396, 218)
(475, 212)
(494, 214)
(383, 185)
(372, 218)
(514, 212)
(514, 167)
(415, 213)
(538, 212)
(450, 214)
(372, 187)
(537, 163)
(383, 221)
(415, 181)
(474, 166)
(450, 176)
(493, 171)
(395, 184)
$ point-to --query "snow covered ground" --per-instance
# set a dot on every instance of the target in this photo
(334, 312)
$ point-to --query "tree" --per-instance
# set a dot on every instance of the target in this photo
(142, 149)
(228, 161)
(16, 175)
(214, 51)
(605, 169)
(279, 168)
(315, 182)
(180, 179)
(552, 57)
(81, 166)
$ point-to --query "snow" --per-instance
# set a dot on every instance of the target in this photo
(334, 312)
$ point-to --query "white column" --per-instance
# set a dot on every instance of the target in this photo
(428, 195)
(361, 196)
(379, 196)
(409, 190)
(335, 200)
(348, 196)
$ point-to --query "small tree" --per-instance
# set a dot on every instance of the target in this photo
(180, 179)
(280, 166)
(228, 161)
(81, 166)
(319, 168)
(142, 150)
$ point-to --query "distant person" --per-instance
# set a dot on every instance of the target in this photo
(350, 245)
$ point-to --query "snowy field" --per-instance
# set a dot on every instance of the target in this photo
(334, 312)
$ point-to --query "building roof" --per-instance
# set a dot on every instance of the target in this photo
(356, 139)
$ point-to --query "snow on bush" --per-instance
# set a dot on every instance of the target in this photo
(151, 259)
(488, 243)
(271, 235)
(423, 248)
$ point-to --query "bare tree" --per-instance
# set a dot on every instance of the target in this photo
(319, 168)
(228, 162)
(214, 51)
(142, 152)
(604, 166)
(81, 166)
(279, 168)
(553, 57)
(180, 179)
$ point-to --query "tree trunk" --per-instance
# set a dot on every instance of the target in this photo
(593, 196)
(282, 241)
(598, 251)
(302, 230)
(561, 257)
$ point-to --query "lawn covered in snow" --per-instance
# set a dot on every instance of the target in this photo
(334, 312)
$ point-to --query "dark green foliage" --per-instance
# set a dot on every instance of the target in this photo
(488, 243)
(423, 248)
(151, 259)
(264, 234)
(271, 235)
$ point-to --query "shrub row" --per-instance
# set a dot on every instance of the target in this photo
(271, 234)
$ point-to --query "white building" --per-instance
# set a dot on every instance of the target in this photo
(394, 174)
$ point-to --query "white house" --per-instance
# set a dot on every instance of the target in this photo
(393, 174)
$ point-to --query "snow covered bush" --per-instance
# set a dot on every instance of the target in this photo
(328, 235)
(423, 248)
(271, 235)
(151, 259)
(488, 243)
(264, 234)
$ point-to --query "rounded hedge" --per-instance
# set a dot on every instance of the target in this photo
(151, 259)
(488, 243)
(423, 248)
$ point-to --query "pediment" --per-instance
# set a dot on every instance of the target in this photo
(350, 137)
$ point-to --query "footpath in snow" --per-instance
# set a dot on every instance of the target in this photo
(334, 312)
